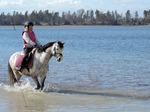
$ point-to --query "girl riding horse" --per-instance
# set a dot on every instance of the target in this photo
(29, 42)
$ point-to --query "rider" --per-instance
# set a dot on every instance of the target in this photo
(29, 41)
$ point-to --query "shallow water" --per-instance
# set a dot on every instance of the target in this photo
(23, 98)
(104, 68)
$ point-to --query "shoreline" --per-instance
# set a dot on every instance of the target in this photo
(74, 25)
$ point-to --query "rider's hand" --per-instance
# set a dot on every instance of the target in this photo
(36, 46)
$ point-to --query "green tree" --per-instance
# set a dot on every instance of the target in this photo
(56, 18)
(74, 18)
(92, 17)
(136, 17)
(97, 13)
(80, 14)
(128, 17)
(63, 18)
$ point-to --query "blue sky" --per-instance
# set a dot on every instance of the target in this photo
(8, 6)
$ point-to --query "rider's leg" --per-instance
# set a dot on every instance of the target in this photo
(23, 62)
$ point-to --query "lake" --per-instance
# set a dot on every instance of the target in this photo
(103, 69)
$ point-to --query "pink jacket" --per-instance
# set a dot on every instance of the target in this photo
(31, 36)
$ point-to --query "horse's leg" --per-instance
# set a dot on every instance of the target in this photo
(11, 75)
(42, 81)
(37, 82)
(17, 76)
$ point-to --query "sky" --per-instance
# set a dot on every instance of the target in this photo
(8, 6)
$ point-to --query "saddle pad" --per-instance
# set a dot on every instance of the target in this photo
(19, 59)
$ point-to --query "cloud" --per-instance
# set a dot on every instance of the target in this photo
(3, 3)
(11, 2)
(55, 2)
(61, 5)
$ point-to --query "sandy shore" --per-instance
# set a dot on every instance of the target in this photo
(73, 25)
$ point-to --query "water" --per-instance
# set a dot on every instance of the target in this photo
(104, 68)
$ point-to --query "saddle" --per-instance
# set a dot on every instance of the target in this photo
(28, 61)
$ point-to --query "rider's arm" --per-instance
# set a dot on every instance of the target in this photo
(37, 42)
(27, 39)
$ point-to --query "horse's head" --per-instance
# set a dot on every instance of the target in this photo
(57, 50)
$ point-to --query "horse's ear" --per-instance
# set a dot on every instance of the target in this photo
(60, 43)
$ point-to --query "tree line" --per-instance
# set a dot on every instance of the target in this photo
(80, 17)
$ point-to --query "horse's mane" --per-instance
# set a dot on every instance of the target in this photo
(43, 48)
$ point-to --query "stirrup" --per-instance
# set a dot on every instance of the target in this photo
(19, 68)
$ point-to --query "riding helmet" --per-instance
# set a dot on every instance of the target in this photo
(28, 23)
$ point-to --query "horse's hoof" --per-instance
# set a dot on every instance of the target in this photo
(42, 88)
(37, 88)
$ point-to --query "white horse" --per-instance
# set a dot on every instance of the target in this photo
(40, 66)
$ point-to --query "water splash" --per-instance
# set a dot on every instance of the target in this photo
(23, 85)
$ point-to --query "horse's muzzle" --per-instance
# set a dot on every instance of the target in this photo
(59, 57)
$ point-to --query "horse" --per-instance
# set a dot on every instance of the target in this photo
(41, 58)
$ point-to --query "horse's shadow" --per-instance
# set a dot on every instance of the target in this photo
(104, 94)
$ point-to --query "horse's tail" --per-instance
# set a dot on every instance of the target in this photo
(10, 75)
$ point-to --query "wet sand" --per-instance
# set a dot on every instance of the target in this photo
(26, 99)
